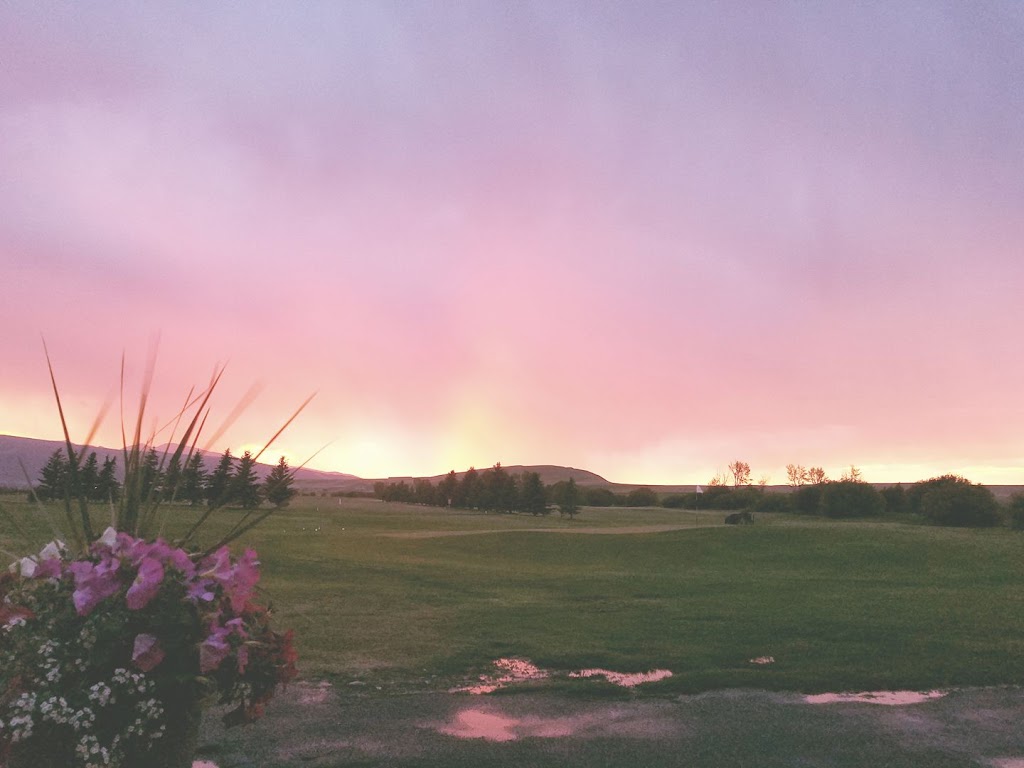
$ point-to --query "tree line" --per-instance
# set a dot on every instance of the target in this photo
(233, 482)
(945, 500)
(490, 490)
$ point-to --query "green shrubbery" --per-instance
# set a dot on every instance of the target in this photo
(774, 502)
(954, 500)
(895, 499)
(850, 498)
(806, 500)
(1016, 510)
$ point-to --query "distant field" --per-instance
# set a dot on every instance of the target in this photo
(377, 594)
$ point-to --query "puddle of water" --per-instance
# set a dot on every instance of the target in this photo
(478, 723)
(203, 764)
(475, 724)
(1008, 762)
(625, 679)
(763, 660)
(885, 698)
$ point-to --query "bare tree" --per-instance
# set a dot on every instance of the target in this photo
(852, 475)
(740, 473)
(796, 474)
(816, 476)
(720, 478)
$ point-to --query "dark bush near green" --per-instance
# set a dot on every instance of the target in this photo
(1016, 509)
(850, 498)
(774, 502)
(678, 501)
(806, 500)
(599, 497)
(954, 500)
(896, 502)
(641, 497)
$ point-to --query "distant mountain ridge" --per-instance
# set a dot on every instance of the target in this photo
(34, 454)
(549, 474)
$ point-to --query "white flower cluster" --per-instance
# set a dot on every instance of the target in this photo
(140, 714)
(49, 664)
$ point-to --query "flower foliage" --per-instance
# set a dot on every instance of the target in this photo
(94, 650)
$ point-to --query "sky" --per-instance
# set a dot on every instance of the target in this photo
(644, 239)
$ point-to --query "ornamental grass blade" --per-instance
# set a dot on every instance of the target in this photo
(285, 426)
(84, 534)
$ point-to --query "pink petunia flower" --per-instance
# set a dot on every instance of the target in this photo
(244, 577)
(214, 649)
(146, 584)
(93, 583)
(147, 652)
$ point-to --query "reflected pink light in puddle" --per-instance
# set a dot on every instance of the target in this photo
(626, 680)
(885, 698)
(477, 724)
(474, 724)
(203, 764)
(1008, 762)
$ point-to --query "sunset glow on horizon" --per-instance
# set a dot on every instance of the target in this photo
(640, 239)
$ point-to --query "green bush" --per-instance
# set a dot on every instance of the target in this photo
(806, 500)
(599, 497)
(954, 500)
(896, 502)
(1016, 509)
(641, 497)
(774, 502)
(850, 498)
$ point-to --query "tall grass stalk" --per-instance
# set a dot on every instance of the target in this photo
(139, 510)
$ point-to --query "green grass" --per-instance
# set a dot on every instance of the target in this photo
(850, 605)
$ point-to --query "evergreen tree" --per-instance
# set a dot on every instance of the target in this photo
(53, 478)
(278, 487)
(510, 501)
(151, 476)
(447, 489)
(532, 498)
(569, 499)
(172, 479)
(469, 494)
(218, 490)
(423, 491)
(88, 478)
(193, 480)
(107, 487)
(245, 485)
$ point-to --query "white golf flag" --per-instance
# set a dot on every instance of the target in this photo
(699, 490)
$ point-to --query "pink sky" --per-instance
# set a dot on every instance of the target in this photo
(641, 239)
